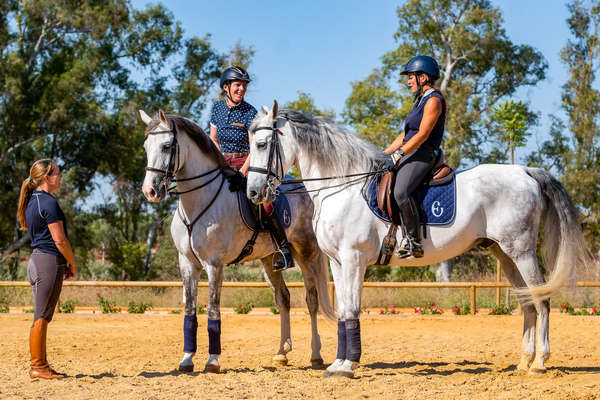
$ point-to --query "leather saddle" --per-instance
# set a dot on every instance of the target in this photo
(440, 174)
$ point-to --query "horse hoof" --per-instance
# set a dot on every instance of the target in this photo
(328, 374)
(281, 360)
(317, 362)
(212, 369)
(344, 373)
(523, 367)
(537, 371)
(186, 368)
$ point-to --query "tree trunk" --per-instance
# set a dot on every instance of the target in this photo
(149, 243)
(15, 246)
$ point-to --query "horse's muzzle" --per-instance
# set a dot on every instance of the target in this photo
(154, 193)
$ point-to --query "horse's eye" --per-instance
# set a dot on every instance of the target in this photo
(166, 148)
(261, 145)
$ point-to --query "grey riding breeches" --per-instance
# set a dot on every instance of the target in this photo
(45, 273)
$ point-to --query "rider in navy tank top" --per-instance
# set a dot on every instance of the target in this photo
(414, 151)
(413, 121)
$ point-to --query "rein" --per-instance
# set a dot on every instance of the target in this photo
(275, 153)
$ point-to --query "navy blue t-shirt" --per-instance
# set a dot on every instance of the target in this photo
(413, 122)
(232, 125)
(41, 211)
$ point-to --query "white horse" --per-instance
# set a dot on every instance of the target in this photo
(500, 205)
(208, 232)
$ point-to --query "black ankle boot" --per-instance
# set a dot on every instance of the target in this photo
(282, 258)
(410, 246)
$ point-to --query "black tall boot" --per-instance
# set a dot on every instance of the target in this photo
(411, 242)
(282, 259)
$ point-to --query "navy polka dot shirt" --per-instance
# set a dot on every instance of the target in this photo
(232, 125)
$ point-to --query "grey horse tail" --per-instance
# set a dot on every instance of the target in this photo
(564, 250)
(322, 278)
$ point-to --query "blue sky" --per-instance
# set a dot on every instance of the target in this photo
(320, 47)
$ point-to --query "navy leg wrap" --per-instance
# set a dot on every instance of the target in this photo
(214, 336)
(341, 354)
(190, 329)
(353, 348)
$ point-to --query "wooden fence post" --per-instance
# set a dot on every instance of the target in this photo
(498, 278)
(473, 300)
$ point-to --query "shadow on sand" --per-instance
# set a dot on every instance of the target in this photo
(431, 368)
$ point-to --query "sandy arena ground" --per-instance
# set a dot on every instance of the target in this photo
(404, 357)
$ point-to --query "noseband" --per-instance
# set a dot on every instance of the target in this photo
(274, 172)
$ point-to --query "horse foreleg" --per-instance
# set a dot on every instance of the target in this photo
(189, 275)
(282, 300)
(215, 284)
(336, 271)
(353, 270)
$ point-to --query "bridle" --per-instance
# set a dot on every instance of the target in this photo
(169, 172)
(169, 175)
(274, 172)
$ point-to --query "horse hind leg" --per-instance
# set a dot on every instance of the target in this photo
(312, 301)
(282, 300)
(531, 360)
(529, 313)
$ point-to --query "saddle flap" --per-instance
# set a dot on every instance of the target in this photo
(384, 190)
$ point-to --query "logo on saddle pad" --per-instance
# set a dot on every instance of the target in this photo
(436, 209)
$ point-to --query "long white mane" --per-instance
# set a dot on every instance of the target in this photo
(336, 150)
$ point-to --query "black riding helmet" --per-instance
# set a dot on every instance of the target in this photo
(424, 64)
(420, 65)
(234, 73)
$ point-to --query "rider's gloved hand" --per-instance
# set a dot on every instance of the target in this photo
(388, 163)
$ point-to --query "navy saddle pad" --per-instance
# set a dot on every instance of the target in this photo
(282, 207)
(437, 203)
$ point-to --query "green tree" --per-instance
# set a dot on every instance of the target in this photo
(513, 119)
(306, 104)
(479, 66)
(577, 152)
(573, 152)
(68, 91)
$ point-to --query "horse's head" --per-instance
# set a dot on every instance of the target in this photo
(271, 155)
(163, 154)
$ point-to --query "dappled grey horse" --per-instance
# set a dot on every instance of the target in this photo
(500, 205)
(209, 233)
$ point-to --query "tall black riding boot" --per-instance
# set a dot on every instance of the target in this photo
(282, 259)
(411, 242)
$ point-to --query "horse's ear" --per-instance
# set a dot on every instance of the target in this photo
(163, 116)
(145, 117)
(265, 109)
(275, 110)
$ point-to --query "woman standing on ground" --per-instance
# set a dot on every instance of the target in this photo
(51, 259)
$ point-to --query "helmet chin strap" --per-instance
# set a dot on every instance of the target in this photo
(228, 94)
(419, 86)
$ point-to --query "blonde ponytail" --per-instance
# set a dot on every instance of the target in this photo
(39, 169)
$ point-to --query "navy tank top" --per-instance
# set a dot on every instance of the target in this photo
(413, 122)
